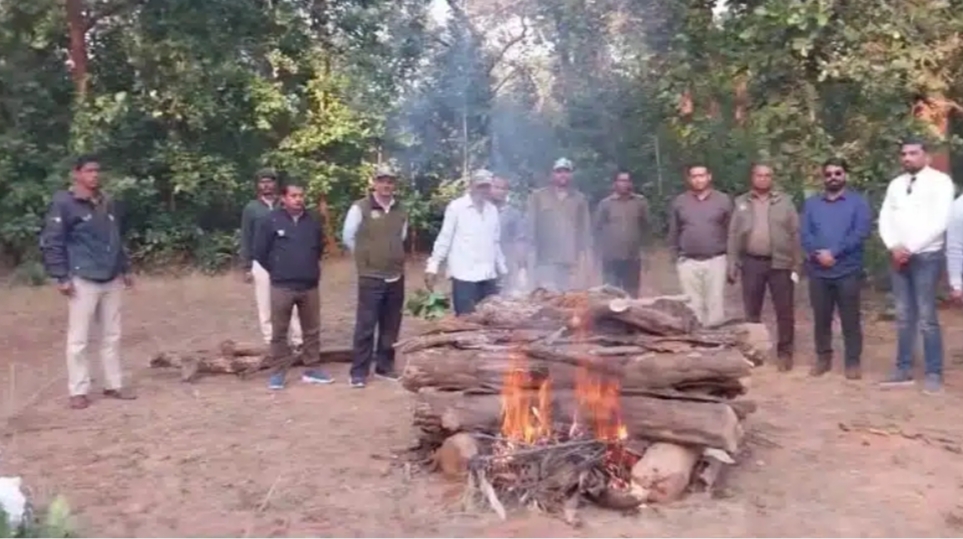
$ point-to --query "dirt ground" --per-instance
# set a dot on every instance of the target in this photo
(225, 457)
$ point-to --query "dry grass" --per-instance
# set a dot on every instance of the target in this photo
(228, 458)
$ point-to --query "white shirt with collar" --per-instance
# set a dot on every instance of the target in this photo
(915, 214)
(469, 241)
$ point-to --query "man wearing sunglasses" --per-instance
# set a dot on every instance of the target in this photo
(912, 225)
(835, 225)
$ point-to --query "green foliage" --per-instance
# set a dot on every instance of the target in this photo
(427, 305)
(54, 522)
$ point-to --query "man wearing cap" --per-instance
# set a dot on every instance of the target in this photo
(470, 241)
(559, 229)
(255, 211)
(374, 231)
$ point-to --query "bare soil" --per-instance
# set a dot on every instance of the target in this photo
(226, 457)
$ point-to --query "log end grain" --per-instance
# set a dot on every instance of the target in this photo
(454, 454)
(665, 470)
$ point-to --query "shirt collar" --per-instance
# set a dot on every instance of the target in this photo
(840, 196)
(386, 207)
(708, 193)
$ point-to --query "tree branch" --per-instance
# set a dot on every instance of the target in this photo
(508, 46)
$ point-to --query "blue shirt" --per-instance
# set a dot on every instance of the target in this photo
(839, 225)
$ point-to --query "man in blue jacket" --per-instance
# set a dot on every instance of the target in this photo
(83, 253)
(835, 225)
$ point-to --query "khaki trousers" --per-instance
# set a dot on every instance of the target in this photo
(704, 281)
(101, 302)
(262, 296)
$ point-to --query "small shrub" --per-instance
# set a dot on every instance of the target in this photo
(55, 521)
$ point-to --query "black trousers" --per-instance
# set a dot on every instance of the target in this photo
(826, 297)
(758, 275)
(465, 295)
(379, 310)
(623, 274)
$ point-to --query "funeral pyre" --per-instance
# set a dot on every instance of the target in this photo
(554, 398)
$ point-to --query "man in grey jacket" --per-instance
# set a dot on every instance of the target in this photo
(83, 253)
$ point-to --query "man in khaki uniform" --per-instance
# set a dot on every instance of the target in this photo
(559, 228)
(621, 224)
(764, 248)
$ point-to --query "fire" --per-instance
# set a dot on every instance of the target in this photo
(525, 417)
(598, 401)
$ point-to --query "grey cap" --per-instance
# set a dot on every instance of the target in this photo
(385, 171)
(482, 177)
(266, 173)
(562, 164)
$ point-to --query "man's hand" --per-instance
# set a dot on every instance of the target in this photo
(430, 279)
(66, 288)
(899, 257)
(128, 281)
(732, 276)
(825, 258)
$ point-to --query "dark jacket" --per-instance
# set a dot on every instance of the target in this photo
(254, 211)
(290, 250)
(81, 238)
(783, 228)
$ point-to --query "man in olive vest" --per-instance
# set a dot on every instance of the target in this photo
(374, 231)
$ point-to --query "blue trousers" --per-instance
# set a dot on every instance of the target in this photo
(914, 289)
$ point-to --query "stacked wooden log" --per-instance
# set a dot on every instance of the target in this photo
(681, 386)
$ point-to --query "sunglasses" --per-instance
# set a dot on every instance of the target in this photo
(834, 174)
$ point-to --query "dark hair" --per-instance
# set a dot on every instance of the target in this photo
(620, 171)
(836, 162)
(695, 164)
(914, 141)
(290, 184)
(757, 164)
(83, 160)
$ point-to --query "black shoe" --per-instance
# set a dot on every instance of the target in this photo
(357, 382)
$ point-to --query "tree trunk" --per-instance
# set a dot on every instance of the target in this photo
(711, 424)
(664, 471)
(77, 27)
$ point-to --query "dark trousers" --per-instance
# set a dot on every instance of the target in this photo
(623, 274)
(757, 275)
(380, 306)
(828, 295)
(465, 295)
(283, 301)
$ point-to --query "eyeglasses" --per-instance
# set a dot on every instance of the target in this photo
(909, 186)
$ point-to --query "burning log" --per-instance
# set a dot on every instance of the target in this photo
(232, 358)
(701, 423)
(585, 395)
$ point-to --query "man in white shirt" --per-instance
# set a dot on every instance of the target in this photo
(470, 241)
(912, 223)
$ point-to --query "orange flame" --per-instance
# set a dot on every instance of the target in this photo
(525, 417)
(598, 400)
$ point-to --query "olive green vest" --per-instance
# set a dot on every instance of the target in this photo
(379, 250)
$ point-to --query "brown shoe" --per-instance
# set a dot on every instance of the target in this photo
(784, 363)
(79, 402)
(821, 366)
(854, 373)
(121, 394)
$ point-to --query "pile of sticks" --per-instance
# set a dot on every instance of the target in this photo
(679, 395)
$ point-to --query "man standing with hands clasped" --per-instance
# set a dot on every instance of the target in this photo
(470, 241)
(84, 253)
(763, 248)
(254, 211)
(374, 230)
(289, 243)
(621, 227)
(912, 223)
(835, 224)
